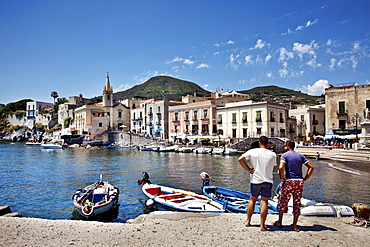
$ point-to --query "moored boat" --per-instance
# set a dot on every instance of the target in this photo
(178, 199)
(95, 199)
(51, 146)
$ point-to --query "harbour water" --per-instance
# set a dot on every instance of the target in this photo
(40, 183)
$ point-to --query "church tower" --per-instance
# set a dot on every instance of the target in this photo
(107, 93)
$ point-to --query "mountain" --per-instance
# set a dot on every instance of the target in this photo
(282, 95)
(162, 87)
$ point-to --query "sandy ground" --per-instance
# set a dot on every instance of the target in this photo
(182, 229)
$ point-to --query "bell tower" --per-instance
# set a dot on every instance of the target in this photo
(107, 93)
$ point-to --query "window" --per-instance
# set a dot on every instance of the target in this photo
(195, 114)
(342, 107)
(187, 116)
(281, 117)
(272, 116)
(244, 117)
(245, 133)
(159, 109)
(119, 114)
(258, 116)
(219, 119)
(259, 131)
(272, 131)
(176, 116)
(234, 133)
(100, 124)
(342, 124)
(205, 113)
(233, 117)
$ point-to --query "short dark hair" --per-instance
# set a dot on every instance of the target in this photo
(264, 140)
(290, 144)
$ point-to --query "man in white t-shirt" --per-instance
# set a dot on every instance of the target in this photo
(262, 162)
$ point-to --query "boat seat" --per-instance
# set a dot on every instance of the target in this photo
(168, 195)
(186, 198)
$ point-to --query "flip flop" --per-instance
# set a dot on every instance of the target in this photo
(277, 224)
(297, 229)
(264, 229)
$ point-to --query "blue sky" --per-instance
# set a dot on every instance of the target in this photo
(69, 46)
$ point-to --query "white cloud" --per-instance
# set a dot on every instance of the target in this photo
(248, 60)
(205, 86)
(122, 87)
(188, 61)
(230, 42)
(283, 73)
(203, 65)
(259, 45)
(234, 62)
(268, 58)
(333, 62)
(269, 74)
(318, 88)
(176, 59)
(310, 23)
(285, 54)
(302, 49)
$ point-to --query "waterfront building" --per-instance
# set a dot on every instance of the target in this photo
(150, 117)
(239, 120)
(346, 109)
(193, 122)
(310, 121)
(38, 112)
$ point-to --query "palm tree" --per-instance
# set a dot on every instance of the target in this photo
(54, 95)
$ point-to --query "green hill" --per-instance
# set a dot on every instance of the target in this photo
(282, 95)
(162, 87)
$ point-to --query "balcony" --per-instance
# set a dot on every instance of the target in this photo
(342, 114)
(315, 122)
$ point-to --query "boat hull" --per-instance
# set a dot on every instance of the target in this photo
(234, 201)
(181, 200)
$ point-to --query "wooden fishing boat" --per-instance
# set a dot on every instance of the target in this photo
(95, 199)
(178, 199)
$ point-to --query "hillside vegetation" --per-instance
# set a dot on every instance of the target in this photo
(282, 95)
(162, 87)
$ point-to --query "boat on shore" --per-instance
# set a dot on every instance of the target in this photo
(177, 199)
(95, 199)
(237, 201)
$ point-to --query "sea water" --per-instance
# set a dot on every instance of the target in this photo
(40, 183)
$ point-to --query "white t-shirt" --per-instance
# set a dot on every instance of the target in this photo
(262, 161)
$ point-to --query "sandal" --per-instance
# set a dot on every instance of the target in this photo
(277, 224)
(296, 229)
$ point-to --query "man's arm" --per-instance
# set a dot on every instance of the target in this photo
(281, 171)
(309, 171)
(243, 162)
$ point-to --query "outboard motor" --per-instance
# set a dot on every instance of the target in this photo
(206, 178)
(144, 180)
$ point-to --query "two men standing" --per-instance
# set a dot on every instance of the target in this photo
(260, 162)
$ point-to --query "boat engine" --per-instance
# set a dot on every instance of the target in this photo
(206, 178)
(144, 180)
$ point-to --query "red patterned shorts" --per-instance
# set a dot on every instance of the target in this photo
(289, 188)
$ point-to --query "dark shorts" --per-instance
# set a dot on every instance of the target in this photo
(263, 189)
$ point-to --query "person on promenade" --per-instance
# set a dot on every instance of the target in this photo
(262, 162)
(292, 162)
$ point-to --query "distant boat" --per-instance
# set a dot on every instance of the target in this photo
(51, 146)
(95, 199)
(33, 144)
(202, 150)
(128, 146)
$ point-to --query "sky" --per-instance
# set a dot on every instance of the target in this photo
(69, 46)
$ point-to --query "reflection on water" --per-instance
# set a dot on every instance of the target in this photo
(40, 183)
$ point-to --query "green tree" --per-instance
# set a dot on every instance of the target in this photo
(54, 95)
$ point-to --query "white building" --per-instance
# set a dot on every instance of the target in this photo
(310, 120)
(240, 120)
